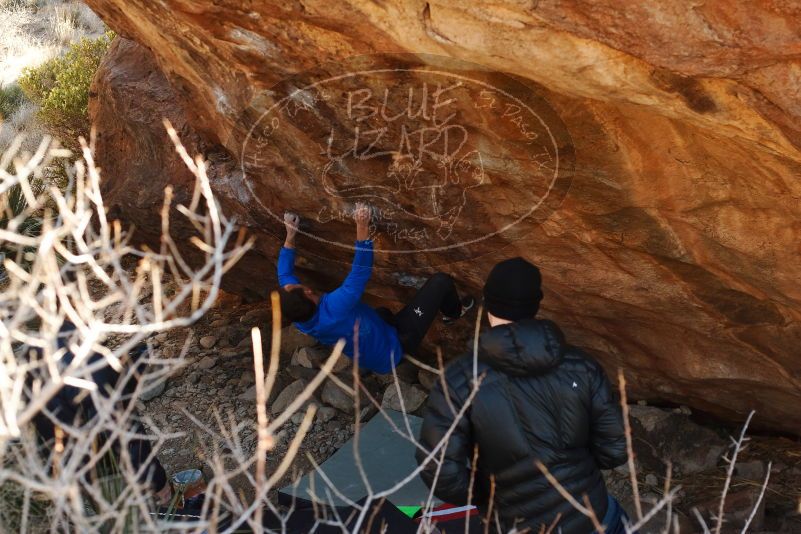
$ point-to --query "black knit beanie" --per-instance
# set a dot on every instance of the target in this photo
(513, 290)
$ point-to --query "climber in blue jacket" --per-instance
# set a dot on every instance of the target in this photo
(383, 337)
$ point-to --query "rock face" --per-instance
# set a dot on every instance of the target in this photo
(646, 159)
(661, 435)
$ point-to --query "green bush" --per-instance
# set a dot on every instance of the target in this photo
(11, 99)
(61, 87)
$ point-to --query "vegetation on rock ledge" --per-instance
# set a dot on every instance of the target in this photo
(61, 86)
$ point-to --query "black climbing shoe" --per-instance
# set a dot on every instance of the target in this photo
(467, 305)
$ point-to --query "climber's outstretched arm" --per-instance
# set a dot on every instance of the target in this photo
(291, 222)
(286, 259)
(350, 292)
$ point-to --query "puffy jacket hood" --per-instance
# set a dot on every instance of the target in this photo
(527, 347)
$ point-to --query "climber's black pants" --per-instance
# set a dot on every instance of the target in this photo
(438, 294)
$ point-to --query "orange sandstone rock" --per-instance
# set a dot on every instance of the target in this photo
(669, 244)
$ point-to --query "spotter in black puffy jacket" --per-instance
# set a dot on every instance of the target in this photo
(540, 399)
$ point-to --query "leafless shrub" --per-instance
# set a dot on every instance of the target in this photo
(76, 270)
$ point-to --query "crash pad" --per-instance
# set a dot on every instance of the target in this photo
(387, 458)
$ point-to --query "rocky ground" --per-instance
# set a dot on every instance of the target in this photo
(217, 385)
(216, 389)
(695, 452)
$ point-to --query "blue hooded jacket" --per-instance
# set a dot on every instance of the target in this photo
(338, 312)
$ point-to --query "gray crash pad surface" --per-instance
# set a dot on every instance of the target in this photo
(387, 458)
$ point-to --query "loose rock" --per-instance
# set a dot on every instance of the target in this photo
(342, 364)
(169, 351)
(367, 412)
(426, 379)
(386, 379)
(406, 371)
(208, 342)
(337, 397)
(739, 504)
(754, 470)
(309, 357)
(254, 315)
(249, 395)
(412, 396)
(325, 414)
(297, 372)
(153, 390)
(293, 338)
(660, 435)
(207, 363)
(289, 394)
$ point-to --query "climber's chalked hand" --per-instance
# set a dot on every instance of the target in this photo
(291, 221)
(362, 217)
